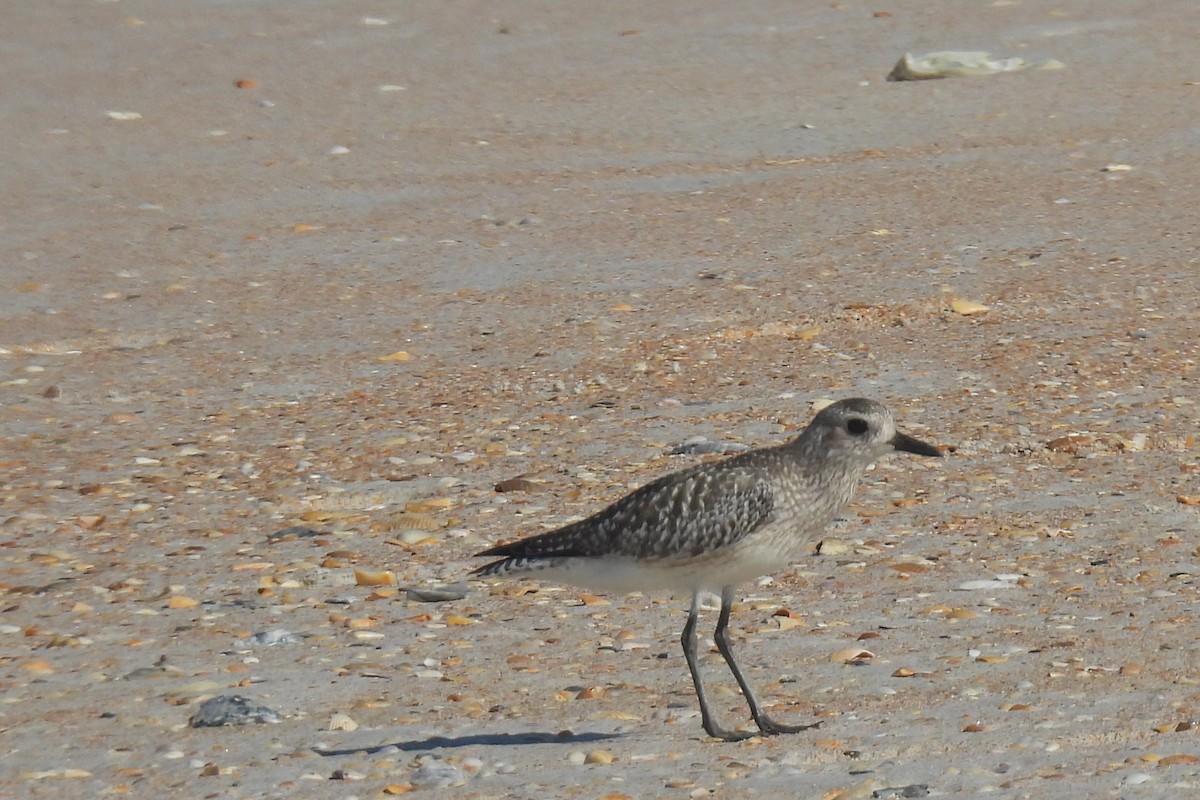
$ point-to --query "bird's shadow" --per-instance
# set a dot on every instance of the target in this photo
(486, 739)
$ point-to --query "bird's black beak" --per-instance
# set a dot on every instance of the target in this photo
(902, 441)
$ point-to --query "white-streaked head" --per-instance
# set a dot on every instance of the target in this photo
(860, 430)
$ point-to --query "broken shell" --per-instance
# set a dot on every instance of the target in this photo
(960, 63)
(410, 521)
(363, 577)
(516, 485)
(967, 308)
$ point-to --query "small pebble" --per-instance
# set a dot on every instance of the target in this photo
(436, 594)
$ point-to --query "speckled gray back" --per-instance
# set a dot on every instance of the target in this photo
(790, 493)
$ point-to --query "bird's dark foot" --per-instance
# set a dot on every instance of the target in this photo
(770, 727)
(717, 732)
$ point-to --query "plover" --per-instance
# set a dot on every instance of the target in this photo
(705, 529)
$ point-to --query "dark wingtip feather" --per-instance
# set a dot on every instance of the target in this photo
(554, 544)
(487, 569)
(496, 550)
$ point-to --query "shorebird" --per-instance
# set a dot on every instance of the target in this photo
(705, 529)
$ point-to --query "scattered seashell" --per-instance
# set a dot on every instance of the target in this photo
(516, 485)
(983, 585)
(123, 116)
(38, 666)
(851, 654)
(835, 547)
(436, 594)
(787, 623)
(412, 537)
(342, 722)
(292, 533)
(438, 774)
(1071, 443)
(967, 308)
(426, 506)
(417, 522)
(364, 577)
(41, 775)
(272, 638)
(960, 63)
(1179, 758)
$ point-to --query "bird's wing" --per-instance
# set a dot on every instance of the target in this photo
(679, 515)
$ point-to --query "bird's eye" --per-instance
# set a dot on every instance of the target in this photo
(856, 426)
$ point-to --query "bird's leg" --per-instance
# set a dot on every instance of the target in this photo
(765, 723)
(689, 652)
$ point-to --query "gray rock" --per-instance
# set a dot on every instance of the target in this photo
(231, 709)
(437, 594)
